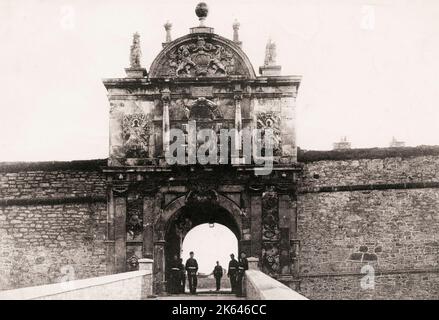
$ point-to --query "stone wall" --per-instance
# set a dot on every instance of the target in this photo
(353, 211)
(378, 212)
(135, 285)
(51, 180)
(52, 223)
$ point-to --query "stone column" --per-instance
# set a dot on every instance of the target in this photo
(288, 127)
(116, 135)
(159, 267)
(148, 226)
(285, 215)
(166, 98)
(256, 225)
(120, 210)
(238, 126)
(294, 239)
(110, 263)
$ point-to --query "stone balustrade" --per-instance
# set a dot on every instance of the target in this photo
(260, 286)
(135, 285)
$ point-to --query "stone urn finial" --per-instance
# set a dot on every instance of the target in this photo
(202, 10)
(168, 27)
(236, 26)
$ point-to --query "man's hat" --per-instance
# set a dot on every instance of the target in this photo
(232, 255)
(191, 252)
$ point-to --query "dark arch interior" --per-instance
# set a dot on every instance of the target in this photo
(186, 219)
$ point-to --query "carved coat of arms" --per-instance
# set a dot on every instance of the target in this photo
(201, 59)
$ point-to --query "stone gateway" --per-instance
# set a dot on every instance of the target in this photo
(315, 221)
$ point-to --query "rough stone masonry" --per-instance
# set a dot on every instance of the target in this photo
(364, 209)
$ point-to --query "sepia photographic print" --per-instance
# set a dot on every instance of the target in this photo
(235, 150)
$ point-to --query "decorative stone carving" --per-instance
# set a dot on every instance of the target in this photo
(182, 226)
(271, 120)
(203, 108)
(270, 258)
(136, 131)
(270, 215)
(202, 195)
(270, 231)
(134, 219)
(134, 253)
(270, 53)
(200, 59)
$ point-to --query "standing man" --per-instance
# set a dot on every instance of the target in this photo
(174, 277)
(242, 266)
(192, 268)
(218, 274)
(182, 275)
(233, 272)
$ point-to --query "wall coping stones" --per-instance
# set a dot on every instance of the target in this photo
(370, 187)
(82, 165)
(52, 200)
(43, 291)
(260, 286)
(303, 156)
(366, 153)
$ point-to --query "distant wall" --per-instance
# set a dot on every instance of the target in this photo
(382, 212)
(52, 222)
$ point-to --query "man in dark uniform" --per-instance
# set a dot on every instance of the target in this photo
(182, 276)
(242, 266)
(233, 272)
(174, 276)
(218, 274)
(192, 268)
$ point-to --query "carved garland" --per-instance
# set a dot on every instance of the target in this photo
(270, 231)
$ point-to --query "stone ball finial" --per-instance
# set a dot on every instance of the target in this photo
(202, 10)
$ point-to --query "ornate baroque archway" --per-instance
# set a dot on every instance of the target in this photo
(183, 214)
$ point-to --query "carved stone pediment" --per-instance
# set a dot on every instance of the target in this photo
(200, 59)
(201, 55)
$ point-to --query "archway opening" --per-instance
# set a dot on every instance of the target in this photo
(212, 233)
(210, 243)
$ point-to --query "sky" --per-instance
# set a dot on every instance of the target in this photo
(369, 67)
(217, 245)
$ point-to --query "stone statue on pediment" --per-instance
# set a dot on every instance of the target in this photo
(135, 52)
